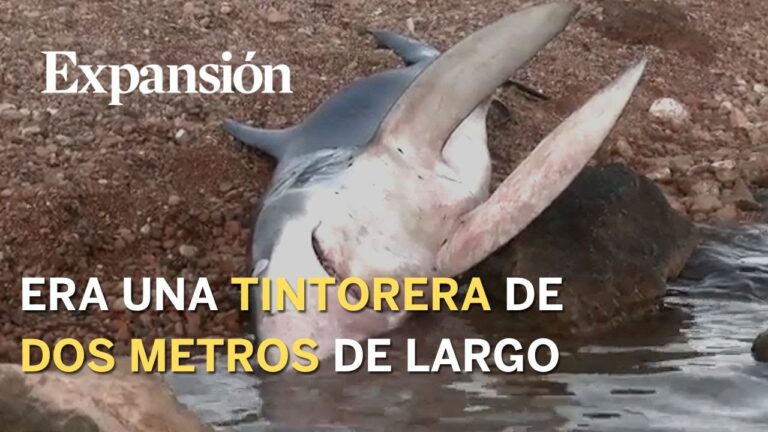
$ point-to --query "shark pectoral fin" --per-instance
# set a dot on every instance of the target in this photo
(444, 94)
(272, 142)
(539, 179)
(410, 50)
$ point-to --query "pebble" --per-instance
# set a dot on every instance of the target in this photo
(11, 114)
(662, 175)
(624, 149)
(182, 136)
(669, 109)
(188, 251)
(706, 187)
(743, 197)
(739, 120)
(233, 228)
(226, 9)
(31, 130)
(725, 171)
(681, 164)
(45, 151)
(174, 200)
(705, 204)
(274, 16)
(64, 140)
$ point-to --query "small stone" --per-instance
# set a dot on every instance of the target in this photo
(669, 109)
(409, 24)
(64, 140)
(706, 187)
(681, 164)
(662, 175)
(174, 200)
(45, 151)
(99, 53)
(725, 171)
(182, 136)
(739, 120)
(188, 251)
(274, 16)
(705, 204)
(226, 9)
(675, 203)
(743, 197)
(233, 228)
(31, 130)
(728, 213)
(145, 230)
(624, 149)
(7, 192)
(760, 89)
(189, 9)
(11, 114)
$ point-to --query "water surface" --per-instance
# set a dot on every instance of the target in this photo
(689, 368)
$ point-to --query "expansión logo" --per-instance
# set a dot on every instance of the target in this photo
(245, 78)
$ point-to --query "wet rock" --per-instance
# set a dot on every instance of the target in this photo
(615, 241)
(88, 402)
(760, 347)
(670, 110)
(743, 197)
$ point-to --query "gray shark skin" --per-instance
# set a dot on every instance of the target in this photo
(329, 139)
(390, 177)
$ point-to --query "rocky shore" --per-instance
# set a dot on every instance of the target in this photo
(155, 188)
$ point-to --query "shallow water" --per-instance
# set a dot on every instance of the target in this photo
(687, 369)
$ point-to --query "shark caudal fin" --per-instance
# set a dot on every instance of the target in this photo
(450, 88)
(410, 50)
(270, 141)
(539, 179)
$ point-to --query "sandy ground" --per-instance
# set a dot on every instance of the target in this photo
(155, 188)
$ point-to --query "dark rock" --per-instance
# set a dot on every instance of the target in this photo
(760, 347)
(614, 240)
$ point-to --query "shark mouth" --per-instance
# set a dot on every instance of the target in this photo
(353, 292)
